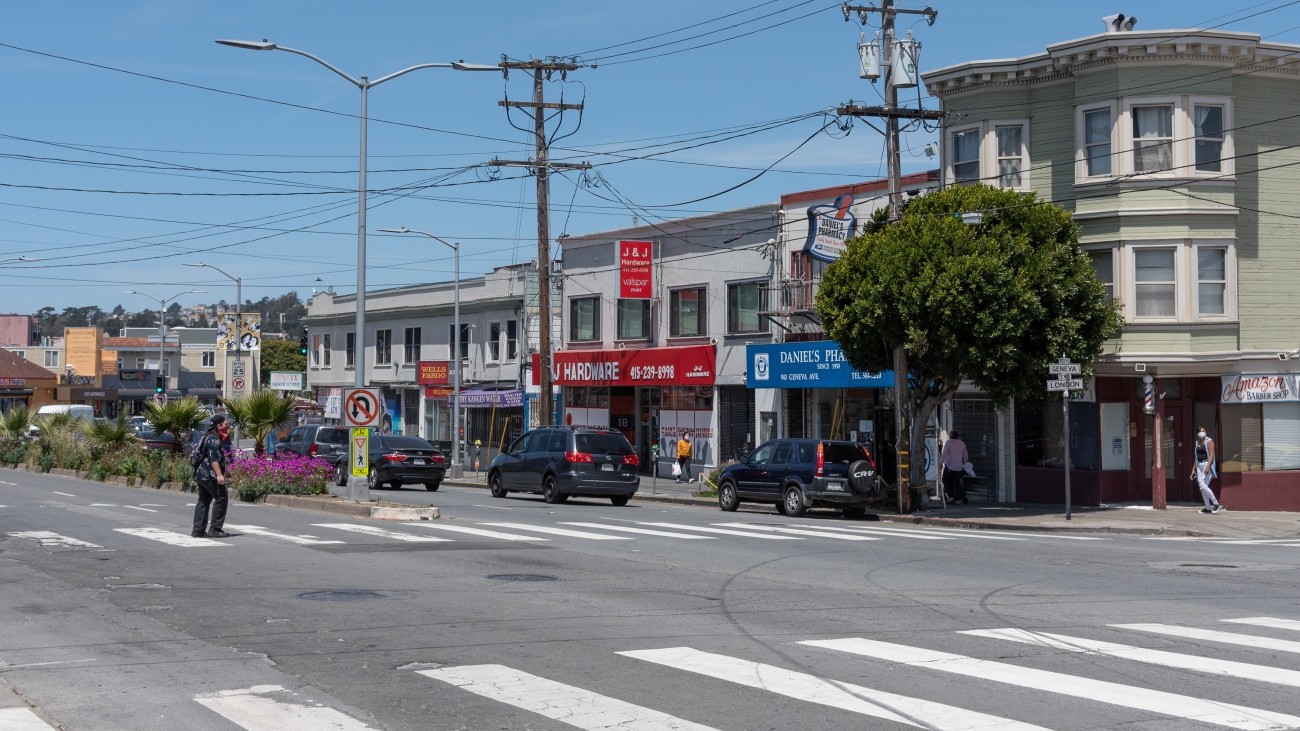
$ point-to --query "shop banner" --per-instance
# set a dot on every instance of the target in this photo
(693, 365)
(1255, 389)
(829, 229)
(438, 391)
(476, 399)
(432, 373)
(635, 270)
(818, 364)
(248, 334)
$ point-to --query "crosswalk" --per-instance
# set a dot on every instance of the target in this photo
(452, 531)
(999, 681)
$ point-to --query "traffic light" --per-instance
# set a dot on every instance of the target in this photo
(302, 345)
(158, 385)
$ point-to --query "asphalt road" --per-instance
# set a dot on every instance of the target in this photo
(515, 614)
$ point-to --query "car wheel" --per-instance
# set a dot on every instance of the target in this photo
(372, 480)
(340, 474)
(780, 508)
(432, 486)
(618, 500)
(496, 486)
(551, 492)
(793, 502)
(855, 512)
(395, 484)
(727, 498)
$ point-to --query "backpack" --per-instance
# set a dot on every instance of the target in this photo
(196, 451)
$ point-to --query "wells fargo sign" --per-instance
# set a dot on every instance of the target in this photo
(432, 373)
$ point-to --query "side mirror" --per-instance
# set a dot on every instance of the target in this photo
(744, 459)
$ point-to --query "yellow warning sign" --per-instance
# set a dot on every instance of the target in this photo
(359, 451)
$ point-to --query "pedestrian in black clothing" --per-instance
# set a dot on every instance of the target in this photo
(210, 476)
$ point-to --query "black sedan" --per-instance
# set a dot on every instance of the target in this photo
(395, 461)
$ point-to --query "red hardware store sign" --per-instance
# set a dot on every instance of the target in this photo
(693, 365)
(635, 270)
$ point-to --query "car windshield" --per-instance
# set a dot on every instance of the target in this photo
(406, 443)
(598, 443)
(842, 453)
(331, 436)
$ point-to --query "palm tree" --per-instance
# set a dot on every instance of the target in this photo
(258, 414)
(16, 422)
(178, 418)
(110, 436)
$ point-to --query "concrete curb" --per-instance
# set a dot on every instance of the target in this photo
(974, 524)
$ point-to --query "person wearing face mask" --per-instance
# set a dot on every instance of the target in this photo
(1204, 470)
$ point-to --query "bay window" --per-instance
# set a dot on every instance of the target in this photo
(1155, 279)
(1097, 142)
(966, 155)
(1207, 127)
(1153, 138)
(1010, 155)
(1211, 280)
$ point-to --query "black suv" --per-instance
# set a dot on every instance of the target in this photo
(314, 440)
(797, 474)
(559, 461)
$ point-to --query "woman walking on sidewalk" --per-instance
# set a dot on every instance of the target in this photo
(1204, 470)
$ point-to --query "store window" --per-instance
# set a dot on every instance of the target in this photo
(687, 316)
(584, 319)
(1040, 434)
(745, 302)
(633, 319)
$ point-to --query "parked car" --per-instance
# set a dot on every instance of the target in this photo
(560, 461)
(76, 411)
(314, 440)
(797, 474)
(139, 424)
(151, 440)
(396, 460)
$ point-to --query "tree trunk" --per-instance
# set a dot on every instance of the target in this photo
(922, 409)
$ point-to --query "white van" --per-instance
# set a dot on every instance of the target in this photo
(78, 412)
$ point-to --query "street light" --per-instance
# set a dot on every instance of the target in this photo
(456, 471)
(329, 289)
(162, 323)
(364, 84)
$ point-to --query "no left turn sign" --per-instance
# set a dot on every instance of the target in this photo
(362, 407)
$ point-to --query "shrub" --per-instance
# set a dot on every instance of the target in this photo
(252, 477)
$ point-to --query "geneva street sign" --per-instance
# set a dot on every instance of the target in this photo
(1064, 369)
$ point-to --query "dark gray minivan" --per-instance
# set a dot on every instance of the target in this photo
(563, 461)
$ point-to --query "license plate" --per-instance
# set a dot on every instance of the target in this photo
(417, 461)
(836, 486)
(607, 468)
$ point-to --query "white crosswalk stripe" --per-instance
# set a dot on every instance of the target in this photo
(558, 531)
(1155, 701)
(1274, 622)
(257, 530)
(21, 719)
(845, 696)
(1214, 635)
(53, 540)
(255, 709)
(799, 532)
(1229, 668)
(641, 531)
(481, 532)
(171, 538)
(574, 706)
(723, 531)
(371, 530)
(888, 532)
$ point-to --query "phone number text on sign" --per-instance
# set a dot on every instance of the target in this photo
(652, 373)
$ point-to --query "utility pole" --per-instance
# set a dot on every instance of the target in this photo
(891, 113)
(541, 167)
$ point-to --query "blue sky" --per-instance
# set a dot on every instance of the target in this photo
(112, 109)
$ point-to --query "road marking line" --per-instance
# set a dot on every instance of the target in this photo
(7, 666)
(644, 531)
(722, 531)
(799, 532)
(844, 696)
(258, 530)
(103, 505)
(65, 494)
(958, 534)
(558, 701)
(1214, 635)
(251, 709)
(1214, 666)
(483, 532)
(1256, 541)
(13, 484)
(382, 533)
(153, 505)
(170, 538)
(1273, 622)
(22, 719)
(903, 532)
(51, 540)
(132, 507)
(1127, 696)
(559, 532)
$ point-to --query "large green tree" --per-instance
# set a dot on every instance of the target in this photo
(281, 355)
(992, 303)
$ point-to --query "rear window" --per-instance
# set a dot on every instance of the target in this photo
(596, 443)
(841, 453)
(332, 435)
(406, 443)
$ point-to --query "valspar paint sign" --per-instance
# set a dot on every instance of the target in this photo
(1255, 389)
(829, 228)
(635, 270)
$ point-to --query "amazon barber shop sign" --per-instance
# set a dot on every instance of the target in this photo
(1255, 389)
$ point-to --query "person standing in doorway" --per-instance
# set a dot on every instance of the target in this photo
(684, 457)
(1204, 470)
(210, 476)
(953, 457)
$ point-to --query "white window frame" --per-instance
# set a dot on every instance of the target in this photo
(48, 358)
(1177, 133)
(1131, 283)
(1184, 140)
(383, 346)
(950, 152)
(494, 342)
(1114, 252)
(1080, 146)
(326, 347)
(1230, 279)
(412, 344)
(1228, 165)
(994, 176)
(208, 358)
(1186, 279)
(572, 332)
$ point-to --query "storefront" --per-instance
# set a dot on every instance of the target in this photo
(102, 400)
(652, 395)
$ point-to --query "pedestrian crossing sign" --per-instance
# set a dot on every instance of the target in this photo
(360, 452)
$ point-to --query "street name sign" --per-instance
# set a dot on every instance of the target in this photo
(1064, 384)
(1064, 369)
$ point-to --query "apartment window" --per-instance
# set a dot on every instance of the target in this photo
(325, 350)
(350, 350)
(23, 354)
(1155, 281)
(512, 340)
(633, 319)
(411, 345)
(139, 363)
(1103, 263)
(584, 319)
(1011, 155)
(1207, 126)
(494, 342)
(383, 347)
(687, 313)
(315, 351)
(1211, 280)
(966, 155)
(209, 359)
(1097, 142)
(464, 340)
(744, 303)
(51, 359)
(1153, 138)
